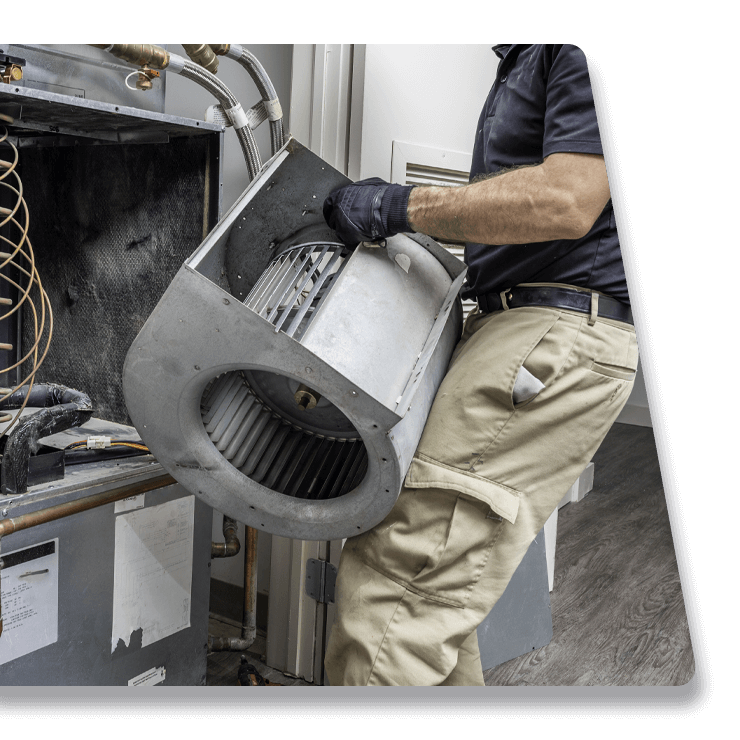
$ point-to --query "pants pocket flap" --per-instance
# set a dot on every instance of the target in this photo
(427, 473)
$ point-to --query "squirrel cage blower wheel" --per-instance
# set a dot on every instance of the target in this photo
(285, 379)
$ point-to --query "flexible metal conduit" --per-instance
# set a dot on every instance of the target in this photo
(205, 55)
(264, 85)
(224, 96)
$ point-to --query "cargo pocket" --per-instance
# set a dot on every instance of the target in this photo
(427, 473)
(432, 526)
(456, 566)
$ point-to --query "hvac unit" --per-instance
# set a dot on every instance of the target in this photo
(116, 197)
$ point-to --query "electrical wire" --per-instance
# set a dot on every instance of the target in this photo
(28, 275)
(82, 444)
(78, 452)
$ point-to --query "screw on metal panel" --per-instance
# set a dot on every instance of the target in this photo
(5, 512)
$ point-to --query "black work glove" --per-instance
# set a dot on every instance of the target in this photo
(368, 210)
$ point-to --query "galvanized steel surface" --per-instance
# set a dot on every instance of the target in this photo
(83, 72)
(210, 382)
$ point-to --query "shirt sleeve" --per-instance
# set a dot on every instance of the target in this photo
(570, 114)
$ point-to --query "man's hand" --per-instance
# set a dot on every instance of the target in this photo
(367, 210)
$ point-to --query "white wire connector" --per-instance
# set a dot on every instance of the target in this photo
(98, 442)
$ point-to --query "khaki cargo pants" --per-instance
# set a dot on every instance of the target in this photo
(486, 476)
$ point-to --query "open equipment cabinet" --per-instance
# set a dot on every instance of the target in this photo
(117, 198)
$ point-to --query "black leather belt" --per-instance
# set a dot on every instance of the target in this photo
(573, 300)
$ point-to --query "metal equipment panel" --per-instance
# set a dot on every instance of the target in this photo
(82, 71)
(87, 550)
(118, 197)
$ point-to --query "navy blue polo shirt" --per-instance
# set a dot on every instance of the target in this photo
(541, 103)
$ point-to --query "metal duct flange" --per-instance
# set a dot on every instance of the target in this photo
(286, 380)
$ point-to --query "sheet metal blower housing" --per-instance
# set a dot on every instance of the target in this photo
(284, 379)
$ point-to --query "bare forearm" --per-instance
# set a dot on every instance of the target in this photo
(559, 199)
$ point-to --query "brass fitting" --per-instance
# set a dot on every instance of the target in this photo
(202, 54)
(220, 49)
(144, 80)
(12, 73)
(142, 55)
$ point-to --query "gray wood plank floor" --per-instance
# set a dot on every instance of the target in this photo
(617, 607)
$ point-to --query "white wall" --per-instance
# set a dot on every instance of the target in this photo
(430, 95)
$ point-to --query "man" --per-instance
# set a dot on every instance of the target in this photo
(541, 372)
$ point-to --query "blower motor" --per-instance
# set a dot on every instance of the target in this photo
(285, 379)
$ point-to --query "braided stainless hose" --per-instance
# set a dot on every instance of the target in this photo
(217, 88)
(267, 92)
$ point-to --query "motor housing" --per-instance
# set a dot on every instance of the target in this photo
(285, 379)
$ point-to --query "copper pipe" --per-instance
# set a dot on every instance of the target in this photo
(231, 545)
(43, 516)
(249, 615)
